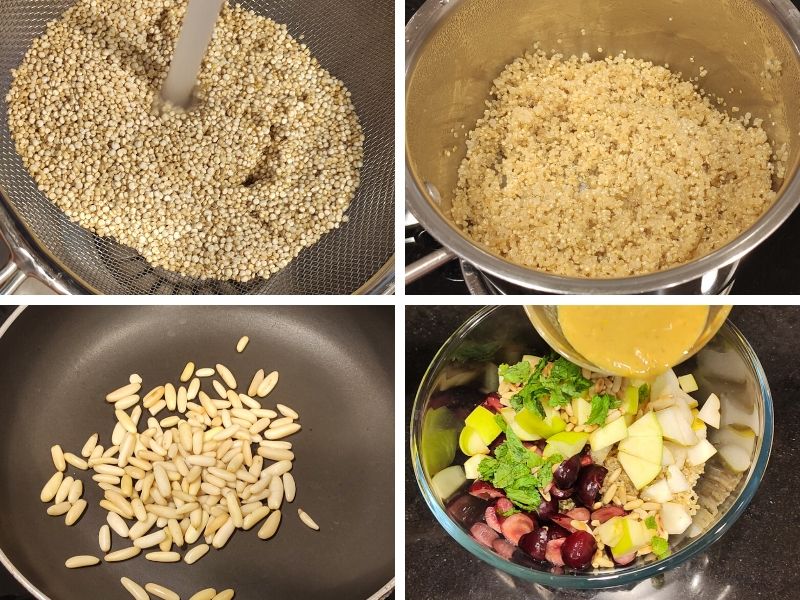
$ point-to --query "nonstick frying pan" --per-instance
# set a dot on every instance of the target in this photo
(336, 369)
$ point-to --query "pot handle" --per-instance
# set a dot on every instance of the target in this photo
(428, 263)
(11, 278)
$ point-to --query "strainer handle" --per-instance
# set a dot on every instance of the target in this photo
(428, 263)
(11, 278)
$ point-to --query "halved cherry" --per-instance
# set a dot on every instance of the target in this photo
(491, 519)
(553, 552)
(607, 512)
(503, 548)
(515, 526)
(492, 402)
(484, 490)
(484, 534)
(564, 521)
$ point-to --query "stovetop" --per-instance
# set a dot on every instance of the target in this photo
(769, 269)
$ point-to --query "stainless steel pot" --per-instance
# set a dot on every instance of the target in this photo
(456, 48)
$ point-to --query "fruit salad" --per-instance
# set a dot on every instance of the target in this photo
(579, 470)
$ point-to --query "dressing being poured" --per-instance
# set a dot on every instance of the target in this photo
(633, 341)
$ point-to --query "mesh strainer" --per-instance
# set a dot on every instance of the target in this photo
(352, 39)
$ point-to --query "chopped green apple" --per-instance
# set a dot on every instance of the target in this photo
(609, 434)
(582, 409)
(649, 448)
(687, 383)
(640, 471)
(646, 426)
(700, 453)
(676, 480)
(634, 535)
(630, 401)
(735, 458)
(599, 456)
(710, 411)
(658, 492)
(510, 416)
(448, 481)
(675, 518)
(482, 420)
(544, 428)
(676, 426)
(678, 453)
(471, 466)
(471, 443)
(610, 532)
(439, 440)
(745, 438)
(565, 443)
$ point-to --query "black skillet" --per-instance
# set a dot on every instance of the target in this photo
(336, 369)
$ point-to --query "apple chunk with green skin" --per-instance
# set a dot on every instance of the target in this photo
(582, 409)
(634, 535)
(448, 481)
(550, 425)
(482, 420)
(608, 434)
(610, 532)
(630, 401)
(640, 471)
(510, 416)
(471, 466)
(471, 443)
(644, 439)
(566, 443)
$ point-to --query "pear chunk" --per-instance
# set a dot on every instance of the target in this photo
(608, 434)
(640, 471)
(710, 411)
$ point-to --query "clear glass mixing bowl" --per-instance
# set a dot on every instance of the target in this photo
(545, 320)
(462, 372)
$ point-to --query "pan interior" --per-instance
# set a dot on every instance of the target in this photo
(336, 369)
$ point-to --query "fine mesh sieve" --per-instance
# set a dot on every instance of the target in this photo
(352, 39)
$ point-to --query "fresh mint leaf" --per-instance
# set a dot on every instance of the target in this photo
(660, 547)
(562, 383)
(517, 373)
(487, 468)
(601, 404)
(511, 470)
(650, 522)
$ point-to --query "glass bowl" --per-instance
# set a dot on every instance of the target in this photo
(464, 369)
(545, 320)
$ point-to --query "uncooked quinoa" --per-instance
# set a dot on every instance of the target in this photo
(607, 168)
(265, 165)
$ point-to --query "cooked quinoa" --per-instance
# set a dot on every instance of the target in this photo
(607, 168)
(263, 167)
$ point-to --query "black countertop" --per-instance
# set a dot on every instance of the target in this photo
(755, 559)
(769, 269)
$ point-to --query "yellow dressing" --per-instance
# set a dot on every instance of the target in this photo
(633, 341)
